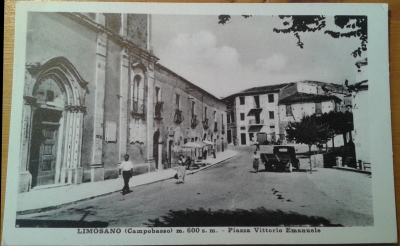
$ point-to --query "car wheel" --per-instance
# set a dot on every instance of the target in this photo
(290, 168)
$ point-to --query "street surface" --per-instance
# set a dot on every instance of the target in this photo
(228, 194)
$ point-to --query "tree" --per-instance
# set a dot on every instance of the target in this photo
(301, 23)
(308, 131)
(352, 26)
(338, 122)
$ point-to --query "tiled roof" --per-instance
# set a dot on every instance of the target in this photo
(260, 90)
(305, 97)
(335, 88)
(263, 89)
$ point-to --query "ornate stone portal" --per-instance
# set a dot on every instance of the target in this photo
(52, 124)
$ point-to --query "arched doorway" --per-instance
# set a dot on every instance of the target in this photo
(53, 121)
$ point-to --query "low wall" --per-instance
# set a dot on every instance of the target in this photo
(325, 160)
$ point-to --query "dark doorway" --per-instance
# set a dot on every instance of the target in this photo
(229, 135)
(156, 136)
(243, 138)
(170, 143)
(43, 150)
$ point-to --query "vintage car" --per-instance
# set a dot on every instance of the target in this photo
(282, 158)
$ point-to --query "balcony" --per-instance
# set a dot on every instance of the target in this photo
(223, 129)
(205, 123)
(158, 108)
(254, 111)
(178, 117)
(215, 126)
(194, 122)
(138, 109)
(254, 122)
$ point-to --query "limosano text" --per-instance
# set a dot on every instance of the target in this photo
(197, 230)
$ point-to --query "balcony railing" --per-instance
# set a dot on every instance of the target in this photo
(254, 122)
(223, 129)
(215, 126)
(194, 122)
(178, 117)
(138, 109)
(205, 123)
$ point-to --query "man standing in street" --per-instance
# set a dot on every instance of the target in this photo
(257, 144)
(127, 171)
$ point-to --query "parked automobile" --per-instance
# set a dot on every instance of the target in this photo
(282, 158)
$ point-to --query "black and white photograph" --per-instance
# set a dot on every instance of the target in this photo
(198, 124)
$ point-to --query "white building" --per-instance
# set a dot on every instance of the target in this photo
(263, 113)
(360, 112)
(256, 113)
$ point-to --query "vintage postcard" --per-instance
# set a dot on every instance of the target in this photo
(156, 123)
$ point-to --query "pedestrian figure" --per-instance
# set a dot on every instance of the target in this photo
(188, 162)
(213, 152)
(181, 170)
(204, 154)
(256, 161)
(127, 171)
(257, 145)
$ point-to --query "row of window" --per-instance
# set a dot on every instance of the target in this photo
(257, 115)
(318, 109)
(318, 105)
(257, 100)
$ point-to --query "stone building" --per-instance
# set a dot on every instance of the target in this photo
(263, 113)
(184, 113)
(93, 92)
(253, 114)
(311, 97)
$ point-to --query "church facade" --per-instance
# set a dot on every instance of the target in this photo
(94, 91)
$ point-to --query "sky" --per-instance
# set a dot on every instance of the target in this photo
(245, 53)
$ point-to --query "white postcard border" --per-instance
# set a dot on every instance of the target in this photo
(384, 229)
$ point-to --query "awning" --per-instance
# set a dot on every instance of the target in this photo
(255, 128)
(197, 144)
(208, 142)
(253, 111)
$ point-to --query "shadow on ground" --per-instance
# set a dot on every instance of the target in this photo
(282, 171)
(59, 223)
(43, 221)
(239, 217)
